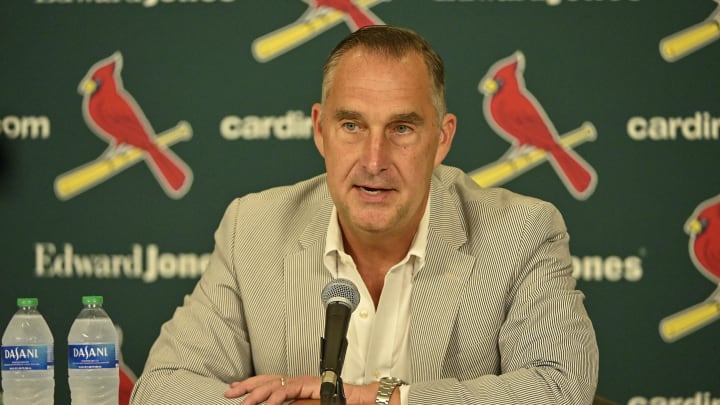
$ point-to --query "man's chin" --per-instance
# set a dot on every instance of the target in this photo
(375, 223)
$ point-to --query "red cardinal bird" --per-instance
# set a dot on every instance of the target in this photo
(113, 114)
(704, 230)
(358, 17)
(517, 116)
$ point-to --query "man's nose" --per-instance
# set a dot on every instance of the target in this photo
(376, 152)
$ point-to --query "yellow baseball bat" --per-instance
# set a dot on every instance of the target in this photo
(689, 40)
(503, 170)
(313, 23)
(73, 182)
(678, 325)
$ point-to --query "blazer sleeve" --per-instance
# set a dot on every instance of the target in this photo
(546, 342)
(205, 345)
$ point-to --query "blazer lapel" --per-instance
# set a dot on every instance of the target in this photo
(438, 286)
(305, 276)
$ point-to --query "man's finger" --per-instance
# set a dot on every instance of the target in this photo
(257, 386)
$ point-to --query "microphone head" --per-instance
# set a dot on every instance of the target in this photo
(343, 291)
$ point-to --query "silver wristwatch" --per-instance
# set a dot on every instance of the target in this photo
(386, 388)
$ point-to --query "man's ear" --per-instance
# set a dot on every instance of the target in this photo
(316, 115)
(447, 133)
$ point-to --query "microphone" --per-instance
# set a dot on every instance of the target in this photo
(340, 297)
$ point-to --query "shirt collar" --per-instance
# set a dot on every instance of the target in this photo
(334, 243)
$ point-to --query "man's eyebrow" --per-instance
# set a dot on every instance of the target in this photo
(347, 115)
(411, 117)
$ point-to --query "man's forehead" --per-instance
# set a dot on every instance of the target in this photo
(370, 85)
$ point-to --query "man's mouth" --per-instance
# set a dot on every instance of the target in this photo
(372, 190)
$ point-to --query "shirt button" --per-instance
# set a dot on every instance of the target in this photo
(376, 374)
(363, 314)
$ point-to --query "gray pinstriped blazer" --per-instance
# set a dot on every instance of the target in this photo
(495, 316)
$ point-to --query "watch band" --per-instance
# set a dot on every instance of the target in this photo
(386, 388)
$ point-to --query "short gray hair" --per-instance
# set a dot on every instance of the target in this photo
(394, 42)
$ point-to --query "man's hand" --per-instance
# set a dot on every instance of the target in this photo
(275, 389)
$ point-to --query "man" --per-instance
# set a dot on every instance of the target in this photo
(466, 293)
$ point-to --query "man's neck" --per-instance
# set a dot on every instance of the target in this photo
(374, 256)
(378, 252)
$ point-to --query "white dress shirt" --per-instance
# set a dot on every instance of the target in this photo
(378, 338)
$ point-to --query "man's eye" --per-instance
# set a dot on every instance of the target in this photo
(403, 135)
(350, 126)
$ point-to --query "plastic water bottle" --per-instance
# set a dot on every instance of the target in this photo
(28, 360)
(93, 356)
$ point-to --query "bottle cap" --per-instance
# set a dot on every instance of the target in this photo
(27, 302)
(92, 300)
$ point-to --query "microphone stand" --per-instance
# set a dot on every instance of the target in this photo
(337, 398)
(332, 391)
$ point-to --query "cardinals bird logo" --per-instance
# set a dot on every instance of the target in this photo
(320, 16)
(113, 115)
(514, 113)
(703, 228)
